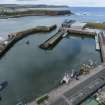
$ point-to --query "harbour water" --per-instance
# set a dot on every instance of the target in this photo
(31, 71)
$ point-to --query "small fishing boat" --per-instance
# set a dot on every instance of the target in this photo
(27, 42)
(91, 63)
(66, 78)
(64, 35)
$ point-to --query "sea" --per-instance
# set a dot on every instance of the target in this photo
(31, 71)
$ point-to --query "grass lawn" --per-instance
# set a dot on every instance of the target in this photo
(95, 25)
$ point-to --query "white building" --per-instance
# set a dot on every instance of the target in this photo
(78, 25)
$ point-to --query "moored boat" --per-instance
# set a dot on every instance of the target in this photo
(65, 79)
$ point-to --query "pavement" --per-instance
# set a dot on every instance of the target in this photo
(74, 92)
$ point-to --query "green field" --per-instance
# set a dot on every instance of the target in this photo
(95, 25)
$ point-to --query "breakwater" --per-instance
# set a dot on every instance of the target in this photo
(14, 37)
(51, 42)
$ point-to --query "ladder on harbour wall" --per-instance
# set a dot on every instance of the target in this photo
(97, 42)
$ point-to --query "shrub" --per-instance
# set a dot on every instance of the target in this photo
(41, 99)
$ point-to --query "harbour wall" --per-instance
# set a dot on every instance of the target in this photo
(14, 37)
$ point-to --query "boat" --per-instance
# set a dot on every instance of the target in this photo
(91, 63)
(27, 42)
(72, 74)
(64, 35)
(3, 84)
(66, 79)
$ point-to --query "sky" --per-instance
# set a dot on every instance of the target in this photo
(89, 3)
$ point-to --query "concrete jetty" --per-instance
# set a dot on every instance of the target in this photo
(52, 41)
(83, 32)
(102, 45)
(14, 37)
(77, 90)
(97, 42)
(77, 28)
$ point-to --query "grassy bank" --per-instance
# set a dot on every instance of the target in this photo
(95, 25)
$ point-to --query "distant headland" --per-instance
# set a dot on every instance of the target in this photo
(11, 10)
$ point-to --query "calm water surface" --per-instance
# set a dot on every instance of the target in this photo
(31, 71)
